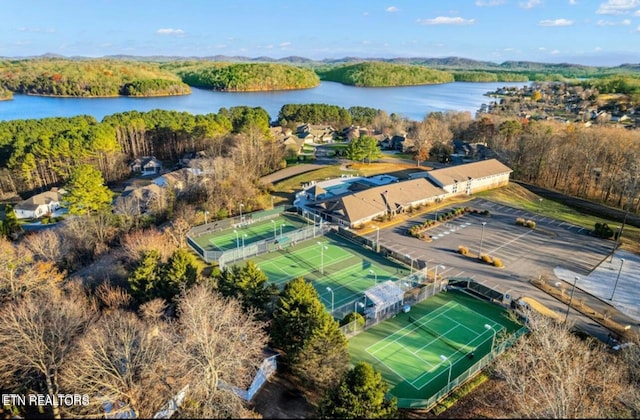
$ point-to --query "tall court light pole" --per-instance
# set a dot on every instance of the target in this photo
(493, 341)
(575, 279)
(356, 305)
(617, 278)
(375, 276)
(281, 226)
(241, 206)
(377, 238)
(330, 290)
(435, 276)
(410, 259)
(446, 359)
(275, 235)
(481, 237)
(237, 239)
(322, 249)
(243, 236)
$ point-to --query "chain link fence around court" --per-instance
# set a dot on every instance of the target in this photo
(416, 288)
(256, 248)
(432, 401)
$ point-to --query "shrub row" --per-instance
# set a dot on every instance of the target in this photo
(496, 262)
(602, 230)
(416, 231)
(528, 223)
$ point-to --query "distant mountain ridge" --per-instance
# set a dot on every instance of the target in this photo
(442, 62)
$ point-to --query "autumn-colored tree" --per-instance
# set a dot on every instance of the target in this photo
(552, 373)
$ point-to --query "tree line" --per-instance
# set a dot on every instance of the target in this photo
(372, 74)
(246, 77)
(88, 78)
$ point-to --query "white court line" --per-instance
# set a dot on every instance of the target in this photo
(446, 305)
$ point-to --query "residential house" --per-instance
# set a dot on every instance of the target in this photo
(146, 165)
(471, 177)
(140, 200)
(40, 204)
(397, 142)
(177, 180)
(187, 157)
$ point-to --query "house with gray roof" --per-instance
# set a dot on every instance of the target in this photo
(39, 204)
(355, 208)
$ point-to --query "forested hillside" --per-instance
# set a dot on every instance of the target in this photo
(88, 78)
(485, 76)
(37, 154)
(378, 74)
(245, 77)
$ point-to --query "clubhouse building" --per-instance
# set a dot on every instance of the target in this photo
(352, 201)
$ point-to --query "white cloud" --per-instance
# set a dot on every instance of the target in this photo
(365, 13)
(221, 46)
(170, 31)
(542, 49)
(392, 9)
(530, 4)
(623, 22)
(636, 13)
(555, 22)
(36, 30)
(489, 3)
(573, 2)
(617, 7)
(285, 44)
(444, 20)
(555, 52)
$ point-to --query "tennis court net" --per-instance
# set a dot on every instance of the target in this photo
(457, 347)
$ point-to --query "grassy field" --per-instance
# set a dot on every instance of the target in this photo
(518, 196)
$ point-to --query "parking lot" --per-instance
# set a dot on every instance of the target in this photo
(553, 247)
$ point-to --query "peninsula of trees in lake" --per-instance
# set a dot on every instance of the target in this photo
(141, 77)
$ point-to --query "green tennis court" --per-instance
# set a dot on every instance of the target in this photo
(329, 261)
(420, 352)
(231, 238)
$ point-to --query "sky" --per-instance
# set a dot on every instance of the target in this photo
(590, 32)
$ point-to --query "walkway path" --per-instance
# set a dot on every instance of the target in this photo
(291, 171)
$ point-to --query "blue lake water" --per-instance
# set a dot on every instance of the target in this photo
(412, 102)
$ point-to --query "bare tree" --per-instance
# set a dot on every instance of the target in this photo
(136, 243)
(38, 335)
(47, 245)
(21, 274)
(552, 373)
(220, 346)
(121, 360)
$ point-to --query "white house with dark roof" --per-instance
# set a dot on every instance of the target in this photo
(471, 177)
(39, 204)
(147, 165)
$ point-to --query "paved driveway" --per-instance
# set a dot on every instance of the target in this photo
(553, 247)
